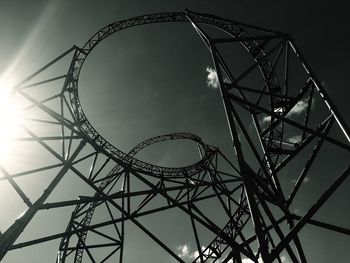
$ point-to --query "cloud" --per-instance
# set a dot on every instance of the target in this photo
(212, 78)
(266, 119)
(294, 139)
(284, 259)
(305, 180)
(183, 250)
(298, 211)
(194, 255)
(299, 108)
(247, 260)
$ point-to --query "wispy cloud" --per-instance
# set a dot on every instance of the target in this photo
(266, 119)
(247, 260)
(212, 78)
(294, 139)
(185, 252)
(299, 108)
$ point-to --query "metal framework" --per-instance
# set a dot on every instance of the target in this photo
(281, 121)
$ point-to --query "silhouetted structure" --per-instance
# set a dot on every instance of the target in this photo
(269, 103)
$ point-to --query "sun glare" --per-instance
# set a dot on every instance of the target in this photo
(9, 119)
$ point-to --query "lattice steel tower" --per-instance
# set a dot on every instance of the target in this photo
(280, 119)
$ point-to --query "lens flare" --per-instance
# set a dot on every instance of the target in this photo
(9, 119)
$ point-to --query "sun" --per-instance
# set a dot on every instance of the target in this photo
(9, 119)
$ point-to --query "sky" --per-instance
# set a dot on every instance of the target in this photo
(149, 81)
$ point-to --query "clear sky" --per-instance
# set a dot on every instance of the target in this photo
(153, 80)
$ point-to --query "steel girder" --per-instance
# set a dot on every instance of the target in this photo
(280, 124)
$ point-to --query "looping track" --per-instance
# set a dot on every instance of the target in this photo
(248, 212)
(110, 177)
(232, 28)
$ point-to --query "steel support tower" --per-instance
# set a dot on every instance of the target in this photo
(280, 119)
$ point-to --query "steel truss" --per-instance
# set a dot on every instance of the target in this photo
(277, 112)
